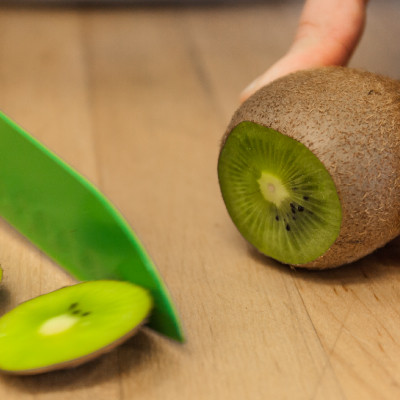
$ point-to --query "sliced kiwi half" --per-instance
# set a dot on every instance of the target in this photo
(70, 326)
(279, 194)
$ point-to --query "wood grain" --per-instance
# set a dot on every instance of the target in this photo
(137, 99)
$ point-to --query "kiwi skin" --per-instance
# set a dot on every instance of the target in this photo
(350, 119)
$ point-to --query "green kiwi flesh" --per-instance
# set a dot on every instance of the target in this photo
(349, 120)
(70, 326)
(279, 194)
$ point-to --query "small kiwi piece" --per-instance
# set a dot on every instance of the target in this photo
(309, 167)
(71, 326)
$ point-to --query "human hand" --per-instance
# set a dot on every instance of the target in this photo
(328, 33)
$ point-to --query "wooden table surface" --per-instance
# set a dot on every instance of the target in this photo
(137, 99)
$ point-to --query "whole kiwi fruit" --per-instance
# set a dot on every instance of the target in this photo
(309, 167)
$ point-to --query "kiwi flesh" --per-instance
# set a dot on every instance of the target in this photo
(326, 140)
(70, 326)
(279, 194)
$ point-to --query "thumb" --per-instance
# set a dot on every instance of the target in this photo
(328, 33)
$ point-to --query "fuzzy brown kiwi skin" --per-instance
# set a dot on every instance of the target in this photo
(350, 119)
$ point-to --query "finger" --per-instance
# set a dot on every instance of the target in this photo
(328, 32)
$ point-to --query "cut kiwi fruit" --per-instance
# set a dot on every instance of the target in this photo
(309, 167)
(70, 326)
(279, 194)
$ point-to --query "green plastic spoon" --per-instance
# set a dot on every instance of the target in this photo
(73, 223)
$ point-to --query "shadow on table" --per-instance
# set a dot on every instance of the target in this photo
(4, 299)
(121, 361)
(382, 263)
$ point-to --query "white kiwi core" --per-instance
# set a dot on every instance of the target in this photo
(272, 188)
(58, 324)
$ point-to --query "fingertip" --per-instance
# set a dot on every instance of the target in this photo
(277, 70)
(263, 80)
(248, 91)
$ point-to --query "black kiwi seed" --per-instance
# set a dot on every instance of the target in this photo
(85, 314)
(277, 218)
(73, 305)
(287, 227)
(300, 208)
(305, 198)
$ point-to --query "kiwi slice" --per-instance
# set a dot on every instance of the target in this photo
(309, 167)
(279, 194)
(70, 326)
